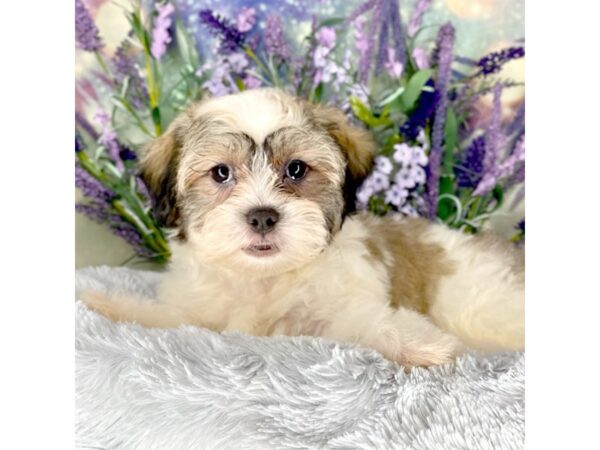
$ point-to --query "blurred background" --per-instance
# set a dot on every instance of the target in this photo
(482, 26)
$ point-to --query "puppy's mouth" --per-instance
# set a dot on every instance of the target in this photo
(261, 249)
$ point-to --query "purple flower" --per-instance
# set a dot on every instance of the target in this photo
(119, 226)
(108, 138)
(415, 20)
(246, 19)
(124, 67)
(252, 82)
(126, 154)
(85, 125)
(420, 57)
(326, 37)
(231, 38)
(468, 173)
(364, 46)
(493, 62)
(385, 20)
(97, 213)
(493, 142)
(91, 187)
(79, 145)
(494, 136)
(518, 123)
(160, 35)
(510, 165)
(361, 9)
(275, 42)
(86, 32)
(393, 67)
(330, 71)
(397, 32)
(129, 234)
(221, 81)
(380, 18)
(445, 44)
(424, 110)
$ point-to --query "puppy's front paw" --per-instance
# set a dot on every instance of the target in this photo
(431, 351)
(100, 303)
(429, 346)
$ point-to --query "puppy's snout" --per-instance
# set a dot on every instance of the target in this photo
(262, 220)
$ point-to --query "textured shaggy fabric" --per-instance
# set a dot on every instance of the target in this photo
(190, 388)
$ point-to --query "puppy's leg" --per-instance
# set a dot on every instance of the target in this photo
(125, 309)
(401, 335)
(483, 301)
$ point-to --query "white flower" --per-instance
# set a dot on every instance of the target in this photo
(365, 192)
(383, 165)
(419, 156)
(421, 139)
(408, 210)
(320, 56)
(403, 154)
(237, 62)
(396, 195)
(380, 181)
(409, 176)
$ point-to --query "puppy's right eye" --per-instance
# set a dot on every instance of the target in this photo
(221, 173)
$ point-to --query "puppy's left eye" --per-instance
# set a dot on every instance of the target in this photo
(296, 169)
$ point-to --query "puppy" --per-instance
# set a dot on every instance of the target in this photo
(260, 187)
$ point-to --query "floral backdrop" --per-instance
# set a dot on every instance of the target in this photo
(439, 83)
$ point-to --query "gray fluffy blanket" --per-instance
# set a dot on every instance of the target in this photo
(190, 388)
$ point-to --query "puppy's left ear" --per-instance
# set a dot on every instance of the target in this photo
(356, 144)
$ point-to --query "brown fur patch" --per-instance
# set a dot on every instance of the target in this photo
(158, 169)
(415, 267)
(324, 176)
(356, 143)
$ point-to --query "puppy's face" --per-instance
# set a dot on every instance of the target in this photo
(257, 182)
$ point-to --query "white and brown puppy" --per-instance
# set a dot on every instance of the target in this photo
(260, 186)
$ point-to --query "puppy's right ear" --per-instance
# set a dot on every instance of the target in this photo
(158, 170)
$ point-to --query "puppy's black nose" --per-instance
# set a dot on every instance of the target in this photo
(262, 220)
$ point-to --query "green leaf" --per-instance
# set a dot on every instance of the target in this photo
(445, 206)
(188, 52)
(365, 115)
(331, 22)
(240, 84)
(393, 96)
(413, 89)
(318, 94)
(136, 24)
(498, 194)
(156, 115)
(450, 139)
(125, 86)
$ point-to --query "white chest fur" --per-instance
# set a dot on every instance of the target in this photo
(298, 302)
